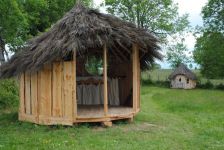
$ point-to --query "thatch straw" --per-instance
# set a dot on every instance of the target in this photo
(82, 29)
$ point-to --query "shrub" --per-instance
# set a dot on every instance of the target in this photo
(207, 85)
(146, 81)
(220, 86)
(162, 83)
(9, 93)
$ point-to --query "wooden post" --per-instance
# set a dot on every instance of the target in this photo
(22, 96)
(135, 66)
(105, 80)
(74, 87)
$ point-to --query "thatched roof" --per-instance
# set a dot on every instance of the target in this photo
(82, 29)
(182, 70)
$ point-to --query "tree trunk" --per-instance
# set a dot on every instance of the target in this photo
(2, 50)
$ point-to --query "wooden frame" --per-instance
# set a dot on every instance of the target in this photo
(48, 97)
(105, 80)
(136, 77)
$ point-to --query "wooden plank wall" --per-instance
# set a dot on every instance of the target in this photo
(47, 97)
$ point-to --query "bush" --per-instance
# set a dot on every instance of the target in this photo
(220, 86)
(146, 81)
(9, 93)
(163, 83)
(207, 85)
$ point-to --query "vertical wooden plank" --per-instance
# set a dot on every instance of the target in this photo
(105, 93)
(135, 75)
(34, 103)
(139, 79)
(45, 92)
(67, 90)
(38, 94)
(22, 95)
(74, 87)
(27, 94)
(56, 94)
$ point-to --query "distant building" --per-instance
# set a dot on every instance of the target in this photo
(183, 78)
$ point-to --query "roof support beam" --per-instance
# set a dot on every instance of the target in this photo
(136, 77)
(74, 87)
(105, 92)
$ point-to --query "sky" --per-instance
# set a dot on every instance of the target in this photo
(191, 7)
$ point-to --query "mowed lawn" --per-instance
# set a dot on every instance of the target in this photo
(169, 119)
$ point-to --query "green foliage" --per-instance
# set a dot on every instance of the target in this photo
(13, 24)
(220, 86)
(9, 93)
(213, 15)
(156, 66)
(94, 65)
(20, 20)
(206, 85)
(41, 14)
(177, 55)
(160, 17)
(209, 51)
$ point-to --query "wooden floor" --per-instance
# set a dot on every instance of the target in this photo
(98, 111)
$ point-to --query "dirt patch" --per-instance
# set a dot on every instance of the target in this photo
(139, 127)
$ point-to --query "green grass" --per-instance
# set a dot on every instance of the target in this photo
(169, 119)
(163, 74)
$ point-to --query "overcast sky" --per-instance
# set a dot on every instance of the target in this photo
(191, 7)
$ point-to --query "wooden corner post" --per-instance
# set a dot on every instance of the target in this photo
(22, 96)
(136, 78)
(74, 87)
(105, 93)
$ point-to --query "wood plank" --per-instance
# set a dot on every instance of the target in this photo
(34, 98)
(74, 87)
(29, 118)
(38, 94)
(135, 75)
(28, 94)
(139, 79)
(105, 93)
(45, 92)
(68, 91)
(22, 96)
(57, 90)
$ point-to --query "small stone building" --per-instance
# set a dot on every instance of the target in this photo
(182, 78)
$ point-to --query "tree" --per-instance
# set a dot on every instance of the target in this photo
(23, 19)
(158, 16)
(209, 48)
(177, 55)
(41, 14)
(12, 25)
(209, 53)
(213, 16)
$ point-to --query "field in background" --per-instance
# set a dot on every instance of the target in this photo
(169, 119)
(163, 74)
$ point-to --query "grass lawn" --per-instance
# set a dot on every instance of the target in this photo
(169, 119)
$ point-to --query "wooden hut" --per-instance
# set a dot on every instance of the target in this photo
(183, 78)
(55, 85)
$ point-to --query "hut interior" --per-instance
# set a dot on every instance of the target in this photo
(90, 82)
